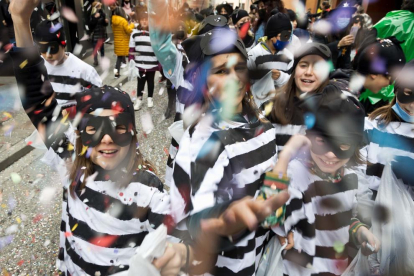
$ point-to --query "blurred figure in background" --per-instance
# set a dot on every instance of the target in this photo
(97, 26)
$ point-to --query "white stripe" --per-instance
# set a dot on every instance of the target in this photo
(331, 266)
(252, 174)
(327, 238)
(104, 222)
(237, 265)
(290, 129)
(403, 128)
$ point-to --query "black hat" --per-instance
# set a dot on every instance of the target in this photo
(379, 57)
(276, 24)
(47, 31)
(211, 22)
(339, 117)
(237, 15)
(405, 80)
(291, 14)
(312, 49)
(106, 97)
(207, 11)
(213, 43)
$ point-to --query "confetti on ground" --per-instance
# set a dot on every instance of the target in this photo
(4, 241)
(15, 178)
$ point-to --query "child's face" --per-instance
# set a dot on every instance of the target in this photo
(306, 79)
(54, 59)
(328, 162)
(143, 22)
(107, 154)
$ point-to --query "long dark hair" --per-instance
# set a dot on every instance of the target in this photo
(284, 109)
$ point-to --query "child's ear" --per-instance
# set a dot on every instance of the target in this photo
(373, 76)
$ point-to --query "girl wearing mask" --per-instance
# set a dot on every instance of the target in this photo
(112, 198)
(122, 31)
(320, 214)
(223, 155)
(286, 115)
(390, 129)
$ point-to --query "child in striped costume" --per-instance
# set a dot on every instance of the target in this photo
(321, 211)
(112, 198)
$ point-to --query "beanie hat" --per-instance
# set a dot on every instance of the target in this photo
(47, 31)
(380, 57)
(276, 24)
(291, 14)
(237, 15)
(312, 49)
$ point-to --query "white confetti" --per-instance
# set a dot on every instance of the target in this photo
(146, 121)
(161, 91)
(69, 14)
(15, 178)
(356, 82)
(47, 195)
(12, 229)
(77, 49)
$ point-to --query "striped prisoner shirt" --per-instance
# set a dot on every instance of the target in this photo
(103, 224)
(396, 138)
(219, 162)
(71, 77)
(144, 57)
(319, 213)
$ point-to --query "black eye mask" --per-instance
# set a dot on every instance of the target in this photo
(332, 145)
(50, 47)
(402, 98)
(107, 125)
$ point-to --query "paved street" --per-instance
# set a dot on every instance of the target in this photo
(30, 192)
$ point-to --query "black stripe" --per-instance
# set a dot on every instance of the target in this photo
(324, 274)
(294, 205)
(142, 43)
(146, 62)
(144, 53)
(330, 253)
(62, 226)
(65, 96)
(248, 271)
(148, 179)
(105, 203)
(299, 258)
(281, 139)
(272, 58)
(90, 268)
(305, 228)
(333, 222)
(182, 182)
(248, 190)
(69, 80)
(322, 188)
(238, 252)
(375, 169)
(84, 232)
(140, 34)
(155, 219)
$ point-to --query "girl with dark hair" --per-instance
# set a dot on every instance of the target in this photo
(286, 114)
(225, 10)
(224, 154)
(320, 214)
(122, 30)
(112, 198)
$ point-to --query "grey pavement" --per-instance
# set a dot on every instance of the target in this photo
(30, 192)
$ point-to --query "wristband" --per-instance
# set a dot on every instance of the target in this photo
(187, 258)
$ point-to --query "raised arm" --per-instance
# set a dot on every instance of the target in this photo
(36, 92)
(160, 35)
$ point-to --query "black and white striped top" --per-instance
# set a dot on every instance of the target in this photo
(219, 162)
(319, 213)
(101, 226)
(145, 58)
(103, 223)
(71, 77)
(396, 139)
